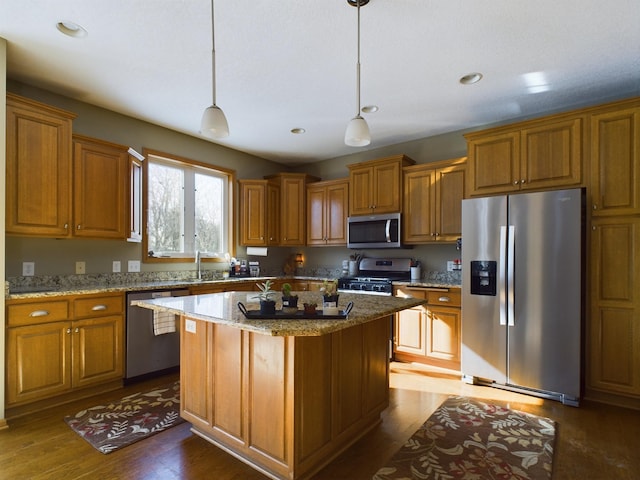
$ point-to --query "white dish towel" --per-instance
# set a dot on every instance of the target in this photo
(163, 322)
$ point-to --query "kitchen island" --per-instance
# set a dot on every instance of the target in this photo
(286, 396)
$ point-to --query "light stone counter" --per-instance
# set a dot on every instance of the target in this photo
(223, 308)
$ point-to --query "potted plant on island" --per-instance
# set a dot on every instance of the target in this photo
(330, 297)
(289, 301)
(267, 304)
(310, 308)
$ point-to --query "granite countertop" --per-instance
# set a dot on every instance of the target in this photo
(54, 291)
(35, 292)
(223, 308)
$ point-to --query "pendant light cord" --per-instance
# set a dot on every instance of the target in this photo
(213, 57)
(358, 64)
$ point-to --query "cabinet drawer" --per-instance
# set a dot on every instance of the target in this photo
(97, 306)
(37, 312)
(411, 292)
(450, 299)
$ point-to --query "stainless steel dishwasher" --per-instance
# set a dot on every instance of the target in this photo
(147, 354)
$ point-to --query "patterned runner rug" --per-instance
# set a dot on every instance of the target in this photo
(469, 439)
(135, 417)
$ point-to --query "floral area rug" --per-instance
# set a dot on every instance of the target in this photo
(110, 427)
(472, 440)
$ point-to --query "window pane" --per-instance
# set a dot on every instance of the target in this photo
(209, 213)
(165, 213)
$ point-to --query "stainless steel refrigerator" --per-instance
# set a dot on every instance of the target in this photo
(522, 288)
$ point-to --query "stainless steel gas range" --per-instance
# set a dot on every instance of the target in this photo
(376, 276)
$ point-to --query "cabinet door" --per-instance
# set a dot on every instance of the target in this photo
(410, 332)
(292, 211)
(360, 191)
(615, 162)
(97, 350)
(316, 212)
(38, 361)
(253, 197)
(336, 211)
(418, 223)
(443, 335)
(271, 212)
(39, 168)
(386, 189)
(614, 343)
(552, 155)
(100, 189)
(494, 163)
(449, 192)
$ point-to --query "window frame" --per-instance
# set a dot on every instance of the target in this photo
(231, 181)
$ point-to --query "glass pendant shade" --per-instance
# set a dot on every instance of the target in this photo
(214, 123)
(357, 134)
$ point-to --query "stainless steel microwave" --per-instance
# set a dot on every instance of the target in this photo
(374, 231)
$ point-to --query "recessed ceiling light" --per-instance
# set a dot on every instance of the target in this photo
(471, 78)
(369, 109)
(298, 131)
(71, 29)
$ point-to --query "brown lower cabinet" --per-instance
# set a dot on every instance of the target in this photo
(429, 334)
(59, 346)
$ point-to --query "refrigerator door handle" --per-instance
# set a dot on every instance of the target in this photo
(510, 274)
(501, 275)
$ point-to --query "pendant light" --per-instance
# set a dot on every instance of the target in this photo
(214, 123)
(357, 134)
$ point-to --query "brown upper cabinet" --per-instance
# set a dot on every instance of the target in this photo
(63, 185)
(535, 155)
(272, 211)
(39, 169)
(376, 186)
(327, 210)
(432, 201)
(615, 159)
(100, 207)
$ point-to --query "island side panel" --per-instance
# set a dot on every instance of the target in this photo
(375, 346)
(196, 400)
(228, 391)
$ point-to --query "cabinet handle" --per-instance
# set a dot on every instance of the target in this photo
(39, 313)
(444, 299)
(97, 308)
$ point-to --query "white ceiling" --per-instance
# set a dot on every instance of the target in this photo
(283, 64)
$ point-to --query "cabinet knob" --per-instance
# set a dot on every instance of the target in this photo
(78, 227)
(595, 207)
(76, 330)
(516, 182)
(523, 181)
(68, 331)
(66, 226)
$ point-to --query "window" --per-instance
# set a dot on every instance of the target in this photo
(187, 209)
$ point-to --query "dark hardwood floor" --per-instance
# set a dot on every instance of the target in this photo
(594, 441)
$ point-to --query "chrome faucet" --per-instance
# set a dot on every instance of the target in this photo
(198, 263)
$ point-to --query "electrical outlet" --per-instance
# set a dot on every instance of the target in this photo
(80, 268)
(116, 266)
(28, 269)
(133, 266)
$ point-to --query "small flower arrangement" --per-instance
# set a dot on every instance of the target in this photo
(329, 288)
